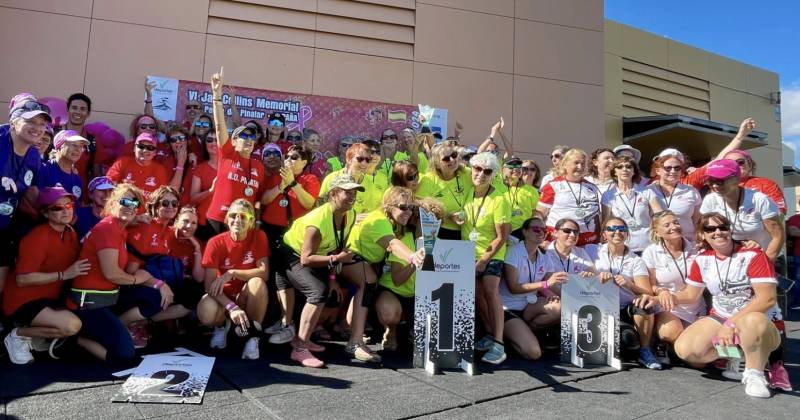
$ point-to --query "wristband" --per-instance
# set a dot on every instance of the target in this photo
(546, 285)
(158, 283)
(728, 324)
(178, 168)
(332, 276)
(148, 101)
(230, 306)
(292, 184)
(216, 99)
(60, 275)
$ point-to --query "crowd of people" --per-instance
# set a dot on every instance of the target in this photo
(212, 219)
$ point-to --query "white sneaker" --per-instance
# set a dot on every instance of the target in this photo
(285, 335)
(250, 351)
(734, 369)
(19, 348)
(219, 340)
(756, 386)
(274, 328)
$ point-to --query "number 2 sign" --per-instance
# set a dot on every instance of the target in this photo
(172, 379)
(444, 300)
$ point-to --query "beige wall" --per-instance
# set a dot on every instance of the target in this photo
(537, 63)
(650, 75)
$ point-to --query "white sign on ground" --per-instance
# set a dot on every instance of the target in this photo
(169, 379)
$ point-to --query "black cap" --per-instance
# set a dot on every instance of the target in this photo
(512, 160)
(276, 116)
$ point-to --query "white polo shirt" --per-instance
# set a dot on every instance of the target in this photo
(671, 274)
(579, 201)
(747, 222)
(683, 201)
(629, 266)
(527, 272)
(634, 208)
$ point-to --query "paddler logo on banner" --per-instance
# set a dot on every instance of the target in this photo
(430, 229)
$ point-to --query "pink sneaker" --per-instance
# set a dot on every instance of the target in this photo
(309, 345)
(779, 377)
(305, 358)
(138, 335)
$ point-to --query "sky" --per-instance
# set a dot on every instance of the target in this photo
(762, 33)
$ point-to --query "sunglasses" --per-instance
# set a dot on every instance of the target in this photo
(556, 156)
(375, 151)
(344, 145)
(147, 126)
(294, 138)
(528, 169)
(130, 203)
(272, 153)
(202, 124)
(177, 139)
(243, 216)
(405, 207)
(293, 157)
(34, 106)
(712, 229)
(210, 139)
(192, 106)
(741, 162)
(618, 228)
(672, 168)
(412, 177)
(247, 137)
(275, 123)
(630, 167)
(62, 207)
(568, 231)
(363, 159)
(513, 167)
(390, 137)
(169, 203)
(486, 171)
(536, 229)
(142, 146)
(451, 156)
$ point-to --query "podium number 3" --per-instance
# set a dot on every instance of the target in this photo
(589, 334)
(444, 294)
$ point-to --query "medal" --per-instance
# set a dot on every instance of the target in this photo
(580, 213)
(6, 209)
(248, 191)
(473, 236)
(283, 203)
(516, 212)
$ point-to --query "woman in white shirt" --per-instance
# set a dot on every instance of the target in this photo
(630, 201)
(671, 194)
(600, 169)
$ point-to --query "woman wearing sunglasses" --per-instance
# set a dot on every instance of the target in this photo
(449, 182)
(522, 197)
(238, 176)
(181, 150)
(531, 174)
(744, 311)
(555, 158)
(487, 223)
(359, 157)
(236, 271)
(668, 260)
(151, 241)
(528, 273)
(142, 170)
(630, 201)
(614, 261)
(276, 131)
(670, 193)
(570, 196)
(32, 294)
(756, 220)
(202, 180)
(201, 126)
(60, 170)
(94, 294)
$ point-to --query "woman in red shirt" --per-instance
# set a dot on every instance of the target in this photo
(94, 294)
(236, 270)
(202, 180)
(238, 176)
(142, 170)
(32, 294)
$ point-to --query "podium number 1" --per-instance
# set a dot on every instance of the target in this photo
(444, 294)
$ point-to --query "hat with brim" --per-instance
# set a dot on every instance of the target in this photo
(68, 136)
(637, 155)
(345, 182)
(101, 183)
(722, 169)
(146, 138)
(241, 129)
(513, 160)
(50, 195)
(671, 153)
(30, 110)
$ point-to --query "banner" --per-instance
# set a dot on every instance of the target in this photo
(334, 118)
(168, 378)
(590, 322)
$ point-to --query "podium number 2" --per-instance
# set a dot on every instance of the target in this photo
(444, 294)
(589, 334)
(171, 377)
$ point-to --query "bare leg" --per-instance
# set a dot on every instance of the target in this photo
(173, 312)
(308, 320)
(523, 340)
(253, 299)
(542, 314)
(494, 305)
(210, 312)
(50, 323)
(668, 326)
(758, 338)
(694, 345)
(644, 326)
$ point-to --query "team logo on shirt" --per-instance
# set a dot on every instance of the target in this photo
(227, 263)
(254, 172)
(129, 177)
(248, 258)
(154, 240)
(76, 191)
(236, 165)
(28, 177)
(150, 181)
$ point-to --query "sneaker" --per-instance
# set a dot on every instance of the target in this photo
(495, 355)
(283, 336)
(779, 377)
(19, 348)
(250, 351)
(755, 385)
(733, 369)
(648, 359)
(389, 341)
(219, 339)
(484, 343)
(40, 343)
(662, 353)
(138, 335)
(274, 328)
(363, 353)
(304, 357)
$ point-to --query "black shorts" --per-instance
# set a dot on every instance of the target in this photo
(509, 314)
(311, 282)
(25, 314)
(8, 247)
(493, 268)
(406, 303)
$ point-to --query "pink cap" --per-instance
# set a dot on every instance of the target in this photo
(65, 136)
(146, 137)
(722, 169)
(50, 195)
(21, 98)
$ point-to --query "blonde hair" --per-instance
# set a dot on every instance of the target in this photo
(112, 205)
(654, 222)
(560, 169)
(245, 207)
(394, 196)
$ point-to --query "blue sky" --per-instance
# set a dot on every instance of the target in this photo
(762, 33)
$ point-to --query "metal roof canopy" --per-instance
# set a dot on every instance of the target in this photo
(791, 176)
(698, 139)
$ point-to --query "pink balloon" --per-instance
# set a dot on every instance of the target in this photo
(96, 128)
(58, 109)
(109, 146)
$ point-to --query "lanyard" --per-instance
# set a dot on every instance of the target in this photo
(458, 190)
(611, 262)
(675, 262)
(630, 211)
(535, 266)
(339, 238)
(565, 267)
(478, 213)
(724, 281)
(735, 211)
(668, 201)
(513, 197)
(580, 192)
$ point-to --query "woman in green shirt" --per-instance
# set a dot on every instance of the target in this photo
(521, 196)
(358, 160)
(449, 182)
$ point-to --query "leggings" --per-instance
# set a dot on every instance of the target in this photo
(102, 326)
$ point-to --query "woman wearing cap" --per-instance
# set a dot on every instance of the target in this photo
(359, 157)
(313, 251)
(94, 294)
(668, 259)
(614, 261)
(600, 169)
(60, 170)
(527, 273)
(450, 183)
(202, 180)
(88, 216)
(238, 176)
(32, 297)
(670, 193)
(276, 131)
(312, 141)
(555, 158)
(236, 270)
(151, 241)
(521, 196)
(570, 196)
(142, 170)
(756, 220)
(290, 199)
(19, 169)
(487, 223)
(744, 313)
(630, 201)
(371, 240)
